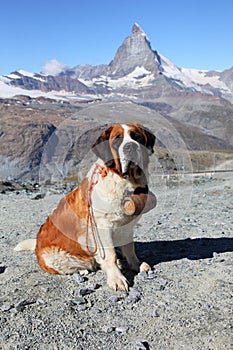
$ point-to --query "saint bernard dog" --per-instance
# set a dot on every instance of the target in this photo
(89, 223)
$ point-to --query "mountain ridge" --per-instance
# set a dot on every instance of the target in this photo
(134, 53)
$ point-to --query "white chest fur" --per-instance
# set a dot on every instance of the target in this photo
(107, 195)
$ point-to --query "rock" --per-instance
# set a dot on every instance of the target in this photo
(78, 301)
(142, 275)
(5, 307)
(151, 274)
(96, 310)
(162, 282)
(94, 286)
(22, 145)
(75, 303)
(121, 329)
(2, 269)
(141, 345)
(134, 291)
(134, 296)
(39, 196)
(114, 299)
(154, 313)
(84, 291)
(82, 308)
(132, 299)
(5, 336)
(78, 278)
(107, 329)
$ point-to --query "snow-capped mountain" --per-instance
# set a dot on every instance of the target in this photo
(136, 71)
(139, 84)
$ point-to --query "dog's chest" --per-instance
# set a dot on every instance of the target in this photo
(107, 197)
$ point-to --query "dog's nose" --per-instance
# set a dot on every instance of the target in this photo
(130, 147)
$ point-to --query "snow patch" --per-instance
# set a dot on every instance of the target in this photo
(25, 73)
(201, 77)
(4, 79)
(193, 78)
(138, 78)
(8, 91)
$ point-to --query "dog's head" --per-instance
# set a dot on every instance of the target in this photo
(125, 147)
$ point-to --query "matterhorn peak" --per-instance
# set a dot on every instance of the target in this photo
(137, 29)
(135, 52)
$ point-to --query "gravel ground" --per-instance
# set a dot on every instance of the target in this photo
(184, 303)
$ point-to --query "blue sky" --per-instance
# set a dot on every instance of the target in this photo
(192, 34)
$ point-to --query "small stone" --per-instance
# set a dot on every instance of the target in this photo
(78, 278)
(2, 269)
(113, 298)
(151, 274)
(5, 307)
(154, 313)
(5, 336)
(93, 286)
(132, 298)
(107, 329)
(215, 255)
(78, 301)
(38, 196)
(142, 275)
(82, 308)
(158, 287)
(141, 345)
(121, 329)
(19, 307)
(74, 303)
(134, 291)
(96, 310)
(162, 282)
(85, 291)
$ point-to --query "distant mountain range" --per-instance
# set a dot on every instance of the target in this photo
(199, 104)
(135, 70)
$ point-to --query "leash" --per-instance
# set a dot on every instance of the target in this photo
(98, 170)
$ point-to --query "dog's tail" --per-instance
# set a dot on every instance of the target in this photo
(28, 244)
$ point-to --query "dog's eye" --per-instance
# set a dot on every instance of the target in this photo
(137, 137)
(117, 141)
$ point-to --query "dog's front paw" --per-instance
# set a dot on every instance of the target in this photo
(118, 283)
(144, 267)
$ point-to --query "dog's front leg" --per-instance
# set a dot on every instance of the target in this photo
(108, 263)
(128, 252)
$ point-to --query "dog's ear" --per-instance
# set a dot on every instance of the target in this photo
(150, 139)
(102, 149)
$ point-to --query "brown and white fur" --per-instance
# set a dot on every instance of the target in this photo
(64, 245)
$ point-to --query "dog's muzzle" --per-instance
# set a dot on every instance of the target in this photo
(131, 157)
(130, 148)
